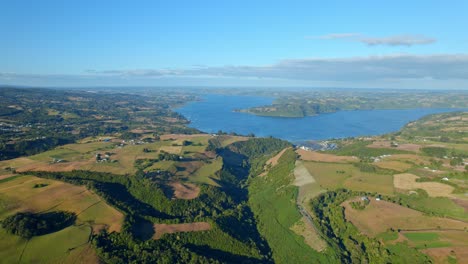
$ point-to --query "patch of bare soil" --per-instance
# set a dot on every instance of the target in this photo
(462, 203)
(65, 166)
(302, 175)
(189, 167)
(180, 136)
(322, 157)
(407, 181)
(274, 160)
(185, 191)
(380, 216)
(4, 176)
(305, 229)
(161, 229)
(440, 255)
(387, 144)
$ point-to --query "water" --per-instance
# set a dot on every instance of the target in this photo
(215, 112)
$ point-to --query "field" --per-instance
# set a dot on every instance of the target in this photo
(401, 146)
(334, 175)
(323, 157)
(308, 189)
(66, 245)
(394, 165)
(19, 195)
(207, 173)
(407, 181)
(185, 191)
(380, 216)
(161, 229)
(69, 245)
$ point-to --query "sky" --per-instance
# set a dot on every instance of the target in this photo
(363, 44)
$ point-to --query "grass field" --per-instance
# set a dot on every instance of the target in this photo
(334, 175)
(323, 157)
(380, 216)
(388, 236)
(423, 240)
(207, 172)
(394, 165)
(308, 189)
(63, 246)
(19, 195)
(407, 181)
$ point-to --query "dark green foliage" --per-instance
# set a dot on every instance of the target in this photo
(360, 205)
(168, 156)
(28, 224)
(273, 201)
(435, 151)
(121, 248)
(368, 167)
(40, 185)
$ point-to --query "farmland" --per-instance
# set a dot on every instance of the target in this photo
(165, 193)
(413, 188)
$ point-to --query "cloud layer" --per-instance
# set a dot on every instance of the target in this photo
(396, 40)
(441, 67)
(450, 70)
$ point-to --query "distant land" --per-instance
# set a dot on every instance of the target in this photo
(309, 103)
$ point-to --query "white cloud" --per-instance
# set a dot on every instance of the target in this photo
(404, 66)
(400, 40)
(396, 40)
(443, 70)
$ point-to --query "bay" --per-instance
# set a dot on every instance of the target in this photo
(216, 112)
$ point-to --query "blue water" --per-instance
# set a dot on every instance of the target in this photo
(215, 112)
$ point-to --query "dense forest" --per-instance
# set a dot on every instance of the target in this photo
(28, 224)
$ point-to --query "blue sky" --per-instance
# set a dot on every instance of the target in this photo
(397, 44)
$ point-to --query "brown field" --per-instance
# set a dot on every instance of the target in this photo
(65, 166)
(180, 136)
(407, 181)
(141, 131)
(189, 167)
(172, 149)
(89, 207)
(185, 191)
(16, 163)
(413, 158)
(305, 229)
(161, 229)
(4, 176)
(439, 255)
(379, 216)
(393, 165)
(462, 203)
(274, 160)
(227, 140)
(387, 144)
(316, 156)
